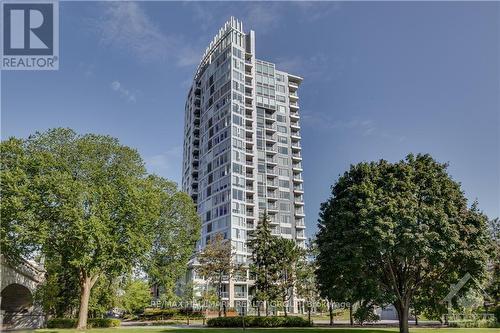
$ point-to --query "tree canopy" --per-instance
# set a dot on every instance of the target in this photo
(216, 264)
(88, 202)
(399, 227)
(175, 233)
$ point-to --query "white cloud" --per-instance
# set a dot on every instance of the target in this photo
(262, 16)
(167, 164)
(319, 120)
(125, 25)
(316, 10)
(363, 127)
(202, 15)
(128, 95)
(88, 70)
(314, 66)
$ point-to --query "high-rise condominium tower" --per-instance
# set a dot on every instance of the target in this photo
(242, 152)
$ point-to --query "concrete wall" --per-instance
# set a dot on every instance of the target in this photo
(18, 285)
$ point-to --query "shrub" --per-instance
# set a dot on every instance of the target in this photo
(191, 313)
(166, 314)
(158, 314)
(61, 323)
(103, 322)
(365, 314)
(497, 313)
(478, 323)
(91, 323)
(165, 322)
(253, 321)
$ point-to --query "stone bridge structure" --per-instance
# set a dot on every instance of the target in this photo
(18, 284)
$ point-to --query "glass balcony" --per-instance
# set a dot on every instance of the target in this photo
(271, 171)
(240, 294)
(271, 194)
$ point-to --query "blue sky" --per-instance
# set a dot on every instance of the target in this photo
(380, 80)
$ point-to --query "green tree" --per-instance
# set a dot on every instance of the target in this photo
(402, 226)
(493, 286)
(188, 298)
(365, 313)
(16, 205)
(260, 243)
(103, 296)
(58, 294)
(174, 237)
(135, 296)
(306, 286)
(216, 265)
(284, 270)
(207, 299)
(84, 198)
(339, 269)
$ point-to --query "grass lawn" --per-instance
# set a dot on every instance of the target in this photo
(257, 330)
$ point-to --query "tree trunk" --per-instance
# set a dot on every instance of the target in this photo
(402, 309)
(219, 299)
(330, 310)
(86, 284)
(351, 319)
(416, 319)
(284, 306)
(309, 314)
(219, 295)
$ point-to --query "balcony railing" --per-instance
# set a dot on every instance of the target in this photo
(270, 159)
(271, 126)
(271, 171)
(271, 137)
(272, 183)
(299, 223)
(272, 207)
(240, 294)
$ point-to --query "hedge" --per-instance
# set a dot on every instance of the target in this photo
(253, 321)
(91, 323)
(61, 323)
(480, 323)
(165, 314)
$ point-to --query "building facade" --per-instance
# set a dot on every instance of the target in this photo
(242, 152)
